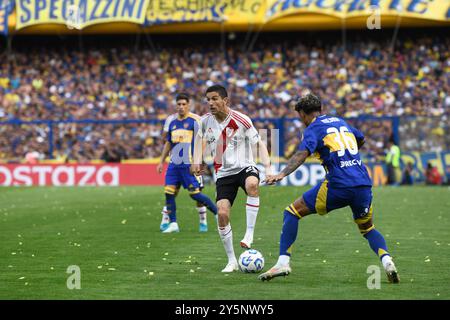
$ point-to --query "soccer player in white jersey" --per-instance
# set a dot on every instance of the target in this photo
(230, 137)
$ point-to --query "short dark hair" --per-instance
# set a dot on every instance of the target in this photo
(309, 103)
(182, 96)
(219, 89)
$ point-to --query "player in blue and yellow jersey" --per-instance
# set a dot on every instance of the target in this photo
(347, 183)
(165, 220)
(180, 145)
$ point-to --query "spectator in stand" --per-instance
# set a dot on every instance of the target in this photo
(408, 174)
(114, 82)
(113, 152)
(432, 175)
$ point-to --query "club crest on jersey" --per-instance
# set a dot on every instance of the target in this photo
(186, 125)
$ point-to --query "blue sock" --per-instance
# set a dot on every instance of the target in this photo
(171, 207)
(377, 243)
(288, 233)
(200, 197)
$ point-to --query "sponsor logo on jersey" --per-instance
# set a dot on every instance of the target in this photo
(350, 163)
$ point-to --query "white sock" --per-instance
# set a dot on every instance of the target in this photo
(251, 208)
(202, 214)
(283, 260)
(165, 215)
(226, 234)
(385, 260)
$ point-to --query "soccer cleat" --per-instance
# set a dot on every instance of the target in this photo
(246, 243)
(203, 227)
(231, 267)
(173, 227)
(275, 271)
(163, 226)
(391, 272)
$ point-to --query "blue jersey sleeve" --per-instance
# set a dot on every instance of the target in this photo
(309, 142)
(358, 134)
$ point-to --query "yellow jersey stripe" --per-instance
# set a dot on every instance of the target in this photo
(321, 200)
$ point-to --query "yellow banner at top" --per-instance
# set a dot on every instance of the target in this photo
(175, 11)
(238, 11)
(424, 9)
(232, 13)
(79, 13)
(172, 11)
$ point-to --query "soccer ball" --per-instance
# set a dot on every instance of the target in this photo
(251, 261)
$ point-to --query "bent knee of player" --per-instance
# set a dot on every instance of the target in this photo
(223, 207)
(365, 227)
(301, 208)
(252, 186)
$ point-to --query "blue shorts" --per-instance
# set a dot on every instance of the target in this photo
(181, 175)
(322, 199)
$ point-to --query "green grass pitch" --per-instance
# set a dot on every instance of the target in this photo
(113, 235)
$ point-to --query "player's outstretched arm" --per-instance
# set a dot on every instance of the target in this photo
(294, 162)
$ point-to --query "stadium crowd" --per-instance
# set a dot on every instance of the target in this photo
(117, 83)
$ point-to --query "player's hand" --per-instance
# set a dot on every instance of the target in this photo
(196, 169)
(272, 179)
(159, 168)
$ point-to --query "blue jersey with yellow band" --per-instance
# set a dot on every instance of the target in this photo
(334, 142)
(181, 135)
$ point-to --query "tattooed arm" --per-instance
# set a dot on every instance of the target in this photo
(294, 162)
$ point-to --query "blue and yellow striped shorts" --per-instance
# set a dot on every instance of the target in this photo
(321, 199)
